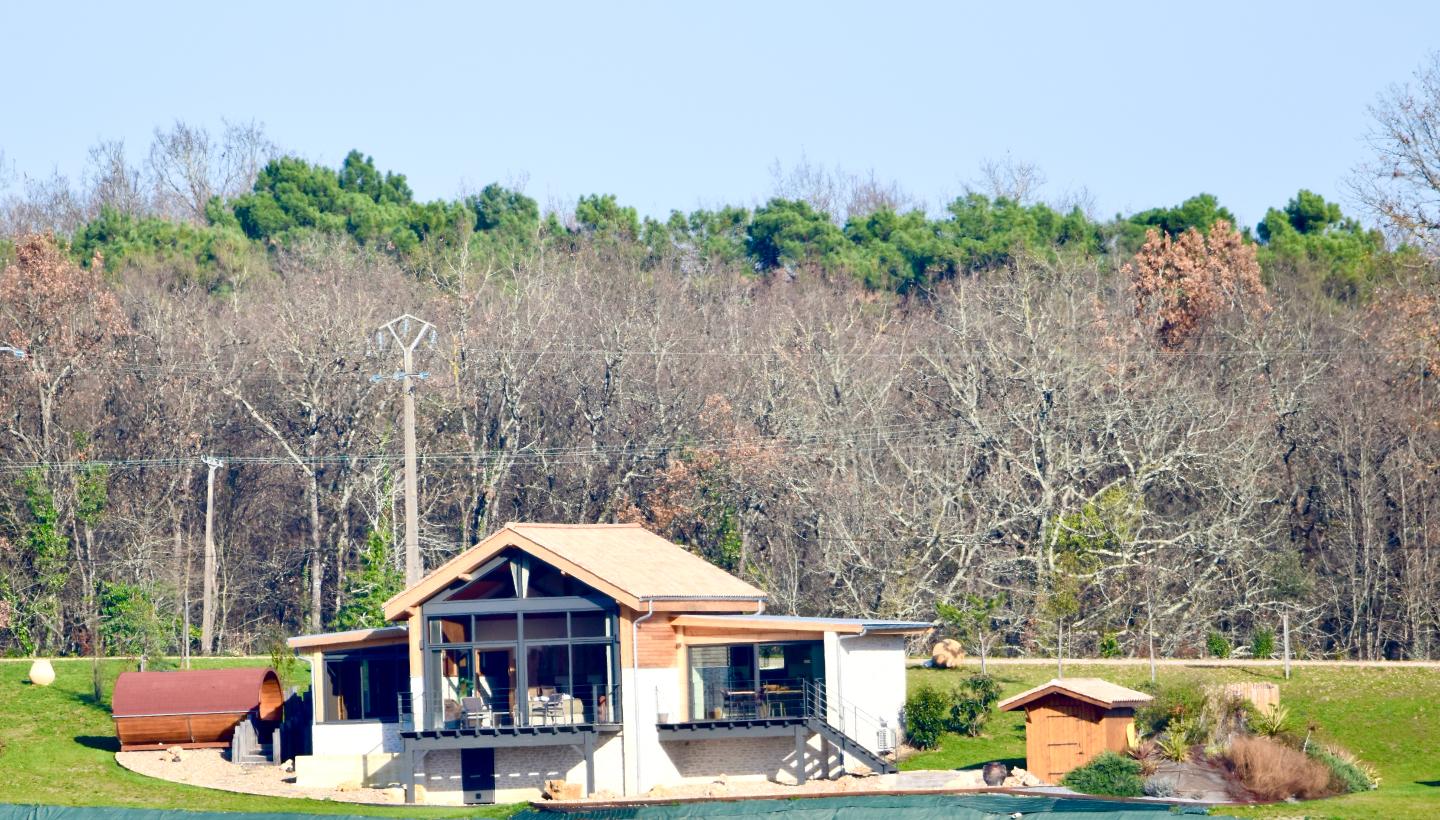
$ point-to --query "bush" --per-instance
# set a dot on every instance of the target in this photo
(1271, 721)
(1162, 785)
(1217, 645)
(1110, 645)
(927, 716)
(972, 705)
(1274, 771)
(1181, 700)
(1109, 774)
(1262, 643)
(1346, 774)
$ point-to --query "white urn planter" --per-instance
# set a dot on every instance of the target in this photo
(42, 673)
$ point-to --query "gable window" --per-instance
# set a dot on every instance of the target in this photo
(519, 642)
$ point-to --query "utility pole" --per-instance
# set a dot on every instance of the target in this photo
(1285, 628)
(207, 604)
(408, 332)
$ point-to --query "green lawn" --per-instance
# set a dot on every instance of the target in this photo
(57, 746)
(1389, 717)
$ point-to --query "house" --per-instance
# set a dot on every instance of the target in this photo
(1068, 721)
(601, 655)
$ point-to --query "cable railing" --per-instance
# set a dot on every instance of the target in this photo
(875, 733)
(751, 700)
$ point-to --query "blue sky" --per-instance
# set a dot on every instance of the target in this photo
(689, 104)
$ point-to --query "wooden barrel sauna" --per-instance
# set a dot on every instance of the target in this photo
(192, 708)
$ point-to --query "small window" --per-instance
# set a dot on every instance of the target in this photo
(545, 626)
(589, 625)
(492, 628)
(450, 630)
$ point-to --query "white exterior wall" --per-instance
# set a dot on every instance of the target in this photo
(355, 737)
(865, 672)
(648, 692)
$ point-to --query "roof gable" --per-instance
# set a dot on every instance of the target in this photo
(623, 561)
(1094, 691)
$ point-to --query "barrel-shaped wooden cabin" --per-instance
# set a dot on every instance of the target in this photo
(193, 708)
(1068, 721)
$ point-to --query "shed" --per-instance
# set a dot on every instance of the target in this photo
(192, 708)
(1068, 721)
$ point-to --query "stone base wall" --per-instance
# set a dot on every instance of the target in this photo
(761, 758)
(520, 773)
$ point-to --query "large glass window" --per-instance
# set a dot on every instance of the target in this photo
(746, 681)
(360, 686)
(522, 668)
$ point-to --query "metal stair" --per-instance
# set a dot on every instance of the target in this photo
(840, 723)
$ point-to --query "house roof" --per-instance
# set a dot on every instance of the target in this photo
(1094, 691)
(790, 623)
(625, 561)
(353, 638)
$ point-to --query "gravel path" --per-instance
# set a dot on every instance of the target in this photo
(209, 768)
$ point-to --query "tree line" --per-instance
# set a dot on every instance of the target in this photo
(1157, 426)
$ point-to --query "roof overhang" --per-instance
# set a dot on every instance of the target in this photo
(772, 623)
(1125, 698)
(351, 639)
(403, 605)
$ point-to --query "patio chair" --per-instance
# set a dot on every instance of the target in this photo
(475, 712)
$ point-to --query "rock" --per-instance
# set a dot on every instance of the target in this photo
(1023, 778)
(347, 786)
(288, 767)
(394, 795)
(175, 754)
(947, 653)
(561, 790)
(605, 794)
(861, 770)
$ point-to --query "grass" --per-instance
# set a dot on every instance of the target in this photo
(1388, 717)
(57, 746)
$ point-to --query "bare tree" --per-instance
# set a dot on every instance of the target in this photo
(1402, 183)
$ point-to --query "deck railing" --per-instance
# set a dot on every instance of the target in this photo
(499, 708)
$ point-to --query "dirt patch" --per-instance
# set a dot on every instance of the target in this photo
(209, 769)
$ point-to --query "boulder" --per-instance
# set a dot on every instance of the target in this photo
(561, 790)
(994, 773)
(947, 653)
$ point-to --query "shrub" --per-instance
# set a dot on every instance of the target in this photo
(1346, 772)
(1274, 771)
(1272, 721)
(1162, 785)
(1110, 645)
(1109, 774)
(972, 704)
(1175, 743)
(927, 716)
(1181, 700)
(1217, 645)
(1262, 643)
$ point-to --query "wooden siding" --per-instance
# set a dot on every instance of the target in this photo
(1062, 733)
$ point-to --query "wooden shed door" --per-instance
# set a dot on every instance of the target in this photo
(1064, 736)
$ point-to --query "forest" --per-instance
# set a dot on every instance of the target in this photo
(1161, 426)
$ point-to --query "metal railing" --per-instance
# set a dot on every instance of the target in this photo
(499, 708)
(745, 700)
(874, 733)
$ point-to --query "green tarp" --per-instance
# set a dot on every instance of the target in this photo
(884, 807)
(850, 807)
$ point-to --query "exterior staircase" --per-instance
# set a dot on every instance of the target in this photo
(841, 723)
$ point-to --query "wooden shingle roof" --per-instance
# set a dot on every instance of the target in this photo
(625, 561)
